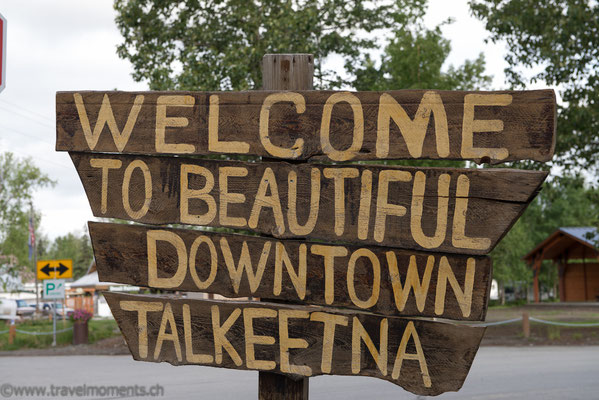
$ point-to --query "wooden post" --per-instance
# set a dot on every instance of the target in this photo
(273, 386)
(536, 268)
(285, 72)
(525, 325)
(563, 263)
(12, 332)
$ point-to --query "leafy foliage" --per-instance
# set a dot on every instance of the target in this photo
(19, 178)
(563, 202)
(555, 42)
(216, 44)
(414, 59)
(76, 247)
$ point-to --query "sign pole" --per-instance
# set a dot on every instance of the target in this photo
(285, 72)
(54, 326)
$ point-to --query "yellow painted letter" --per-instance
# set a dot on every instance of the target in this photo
(214, 144)
(251, 339)
(168, 318)
(410, 332)
(358, 138)
(383, 208)
(359, 334)
(416, 211)
(464, 297)
(142, 308)
(202, 194)
(471, 125)
(163, 122)
(286, 343)
(177, 279)
(300, 106)
(106, 116)
(459, 238)
(143, 210)
(105, 164)
(413, 131)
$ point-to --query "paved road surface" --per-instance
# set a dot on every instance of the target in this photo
(497, 373)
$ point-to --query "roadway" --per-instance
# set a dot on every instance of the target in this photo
(497, 373)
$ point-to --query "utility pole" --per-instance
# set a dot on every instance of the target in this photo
(34, 245)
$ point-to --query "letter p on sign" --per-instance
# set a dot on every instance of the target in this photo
(54, 289)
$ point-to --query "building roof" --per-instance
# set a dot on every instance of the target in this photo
(587, 234)
(91, 281)
(568, 243)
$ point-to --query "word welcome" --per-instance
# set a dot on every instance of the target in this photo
(339, 126)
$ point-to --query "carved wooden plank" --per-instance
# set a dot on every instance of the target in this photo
(377, 279)
(334, 126)
(434, 209)
(424, 357)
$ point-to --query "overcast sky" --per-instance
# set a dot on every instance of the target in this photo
(71, 45)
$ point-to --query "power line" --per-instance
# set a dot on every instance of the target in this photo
(27, 117)
(39, 158)
(25, 134)
(27, 110)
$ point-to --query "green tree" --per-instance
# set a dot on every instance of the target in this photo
(212, 45)
(564, 201)
(555, 42)
(76, 247)
(414, 59)
(19, 178)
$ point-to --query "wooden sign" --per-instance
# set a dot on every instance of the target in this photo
(381, 280)
(424, 357)
(333, 126)
(441, 209)
(363, 306)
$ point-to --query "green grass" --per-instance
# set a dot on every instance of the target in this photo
(98, 330)
(102, 329)
(553, 332)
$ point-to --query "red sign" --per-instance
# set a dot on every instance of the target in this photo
(2, 52)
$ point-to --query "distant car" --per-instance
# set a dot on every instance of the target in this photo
(61, 309)
(42, 307)
(23, 309)
(8, 309)
(46, 309)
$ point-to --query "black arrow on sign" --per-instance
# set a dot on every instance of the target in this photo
(61, 269)
(47, 269)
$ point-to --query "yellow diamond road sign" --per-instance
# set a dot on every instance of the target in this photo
(54, 269)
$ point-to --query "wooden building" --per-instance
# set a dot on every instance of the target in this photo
(575, 253)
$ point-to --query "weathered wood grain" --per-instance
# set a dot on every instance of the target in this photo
(461, 126)
(424, 357)
(395, 282)
(470, 212)
(285, 72)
